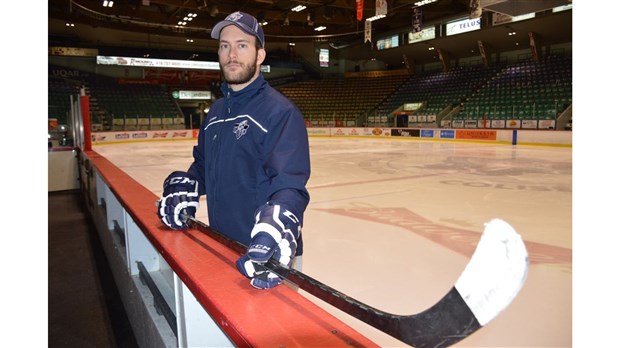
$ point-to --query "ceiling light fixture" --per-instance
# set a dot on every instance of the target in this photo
(424, 2)
(299, 8)
(107, 3)
(190, 16)
(374, 18)
(321, 28)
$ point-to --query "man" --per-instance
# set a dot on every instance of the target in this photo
(252, 160)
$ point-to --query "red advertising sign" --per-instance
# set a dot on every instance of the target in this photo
(476, 134)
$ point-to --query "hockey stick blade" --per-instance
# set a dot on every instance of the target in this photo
(491, 280)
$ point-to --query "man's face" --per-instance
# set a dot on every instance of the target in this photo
(238, 57)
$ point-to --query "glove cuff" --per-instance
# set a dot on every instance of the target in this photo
(179, 181)
(275, 219)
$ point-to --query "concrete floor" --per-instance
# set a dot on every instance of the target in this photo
(84, 307)
(391, 223)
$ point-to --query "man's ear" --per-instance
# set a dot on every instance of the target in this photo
(260, 56)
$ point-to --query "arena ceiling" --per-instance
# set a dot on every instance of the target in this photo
(155, 23)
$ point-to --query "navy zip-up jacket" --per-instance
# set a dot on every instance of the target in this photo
(252, 148)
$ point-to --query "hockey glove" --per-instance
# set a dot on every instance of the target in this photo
(180, 197)
(274, 235)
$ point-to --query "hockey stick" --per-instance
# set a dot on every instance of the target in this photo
(489, 283)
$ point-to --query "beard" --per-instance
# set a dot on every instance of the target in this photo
(244, 73)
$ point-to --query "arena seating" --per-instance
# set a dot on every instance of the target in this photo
(59, 102)
(526, 90)
(139, 106)
(438, 91)
(341, 102)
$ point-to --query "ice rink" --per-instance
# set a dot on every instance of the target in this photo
(393, 222)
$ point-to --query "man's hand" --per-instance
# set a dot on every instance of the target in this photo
(274, 235)
(180, 197)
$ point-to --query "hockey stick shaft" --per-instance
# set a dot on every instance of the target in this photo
(446, 322)
(305, 282)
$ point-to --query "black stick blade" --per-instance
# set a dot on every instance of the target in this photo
(447, 322)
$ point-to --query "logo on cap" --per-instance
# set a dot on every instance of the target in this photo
(244, 22)
(235, 16)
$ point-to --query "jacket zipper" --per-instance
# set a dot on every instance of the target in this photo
(216, 145)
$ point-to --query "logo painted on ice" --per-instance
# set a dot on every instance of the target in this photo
(241, 128)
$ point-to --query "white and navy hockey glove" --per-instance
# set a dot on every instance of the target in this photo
(274, 235)
(180, 197)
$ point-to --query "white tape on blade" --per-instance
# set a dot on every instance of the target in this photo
(495, 273)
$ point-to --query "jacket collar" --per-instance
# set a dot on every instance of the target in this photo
(246, 92)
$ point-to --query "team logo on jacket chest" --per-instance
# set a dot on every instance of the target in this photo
(241, 128)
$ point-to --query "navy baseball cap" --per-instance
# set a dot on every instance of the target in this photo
(243, 21)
